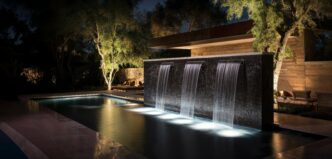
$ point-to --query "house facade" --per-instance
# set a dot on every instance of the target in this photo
(297, 73)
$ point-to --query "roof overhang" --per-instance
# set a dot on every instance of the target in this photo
(217, 36)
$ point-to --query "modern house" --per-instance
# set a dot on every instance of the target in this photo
(304, 71)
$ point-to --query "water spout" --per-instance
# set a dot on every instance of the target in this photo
(189, 86)
(225, 92)
(162, 84)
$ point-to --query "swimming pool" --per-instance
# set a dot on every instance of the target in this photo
(161, 135)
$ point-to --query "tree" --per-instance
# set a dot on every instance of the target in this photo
(184, 16)
(65, 29)
(117, 36)
(276, 20)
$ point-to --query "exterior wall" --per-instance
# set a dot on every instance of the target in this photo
(296, 73)
(292, 73)
(224, 49)
(318, 76)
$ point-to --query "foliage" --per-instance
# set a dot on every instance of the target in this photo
(32, 75)
(59, 37)
(276, 20)
(184, 16)
(119, 39)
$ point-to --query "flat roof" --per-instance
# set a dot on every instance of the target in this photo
(221, 35)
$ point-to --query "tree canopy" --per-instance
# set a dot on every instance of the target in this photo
(118, 37)
(275, 21)
(66, 35)
(184, 16)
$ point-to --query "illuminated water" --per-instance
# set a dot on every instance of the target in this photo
(225, 92)
(162, 83)
(189, 86)
(166, 135)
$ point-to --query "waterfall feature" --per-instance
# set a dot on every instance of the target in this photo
(189, 85)
(162, 83)
(225, 92)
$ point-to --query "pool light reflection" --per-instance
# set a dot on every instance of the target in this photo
(219, 129)
(204, 126)
(169, 116)
(182, 121)
(231, 133)
(153, 112)
(145, 109)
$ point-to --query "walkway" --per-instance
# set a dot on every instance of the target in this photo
(304, 124)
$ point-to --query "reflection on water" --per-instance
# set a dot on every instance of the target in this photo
(281, 141)
(115, 123)
(33, 106)
(107, 117)
(105, 148)
(277, 142)
(163, 135)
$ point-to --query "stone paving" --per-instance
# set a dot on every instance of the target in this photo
(304, 124)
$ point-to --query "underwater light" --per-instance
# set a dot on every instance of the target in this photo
(144, 109)
(85, 106)
(153, 112)
(168, 116)
(132, 104)
(204, 126)
(128, 104)
(231, 133)
(182, 121)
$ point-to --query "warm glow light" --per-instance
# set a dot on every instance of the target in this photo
(182, 121)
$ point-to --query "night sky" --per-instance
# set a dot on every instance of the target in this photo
(148, 5)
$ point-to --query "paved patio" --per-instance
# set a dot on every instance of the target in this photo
(304, 124)
(320, 149)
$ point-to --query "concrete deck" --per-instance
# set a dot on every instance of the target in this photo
(304, 124)
(320, 149)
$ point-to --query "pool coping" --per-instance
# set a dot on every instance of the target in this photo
(75, 94)
(29, 149)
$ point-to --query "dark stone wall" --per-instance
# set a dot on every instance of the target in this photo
(254, 98)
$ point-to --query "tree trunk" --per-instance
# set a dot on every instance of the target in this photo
(191, 24)
(276, 75)
(277, 63)
(282, 46)
(102, 64)
(109, 86)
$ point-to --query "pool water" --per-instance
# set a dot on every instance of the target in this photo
(160, 135)
(8, 149)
